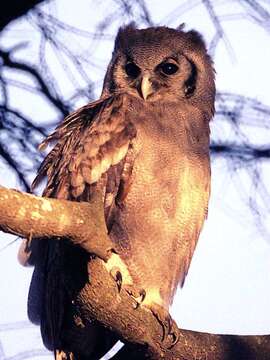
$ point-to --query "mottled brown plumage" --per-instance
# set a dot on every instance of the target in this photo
(145, 144)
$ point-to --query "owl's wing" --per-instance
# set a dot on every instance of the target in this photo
(195, 182)
(92, 149)
(88, 143)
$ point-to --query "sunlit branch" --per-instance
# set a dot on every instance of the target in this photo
(83, 223)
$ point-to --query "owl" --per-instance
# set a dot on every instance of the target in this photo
(144, 145)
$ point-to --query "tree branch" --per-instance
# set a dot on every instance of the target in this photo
(14, 9)
(28, 215)
(31, 70)
(12, 163)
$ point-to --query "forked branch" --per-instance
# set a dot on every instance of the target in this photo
(28, 215)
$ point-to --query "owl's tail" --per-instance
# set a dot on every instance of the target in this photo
(91, 347)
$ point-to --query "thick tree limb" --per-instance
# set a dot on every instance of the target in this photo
(28, 215)
(139, 326)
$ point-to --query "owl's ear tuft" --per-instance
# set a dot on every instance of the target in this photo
(124, 33)
(195, 39)
(180, 27)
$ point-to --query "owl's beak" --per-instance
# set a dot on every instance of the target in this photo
(146, 86)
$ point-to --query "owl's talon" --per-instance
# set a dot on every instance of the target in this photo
(62, 355)
(142, 295)
(170, 334)
(173, 333)
(137, 295)
(25, 251)
(117, 276)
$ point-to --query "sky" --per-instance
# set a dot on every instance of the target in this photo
(227, 289)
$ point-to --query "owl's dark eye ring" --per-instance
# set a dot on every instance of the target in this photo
(169, 68)
(132, 70)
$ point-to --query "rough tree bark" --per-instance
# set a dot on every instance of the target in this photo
(28, 215)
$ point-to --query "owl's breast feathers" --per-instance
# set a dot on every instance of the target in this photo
(167, 202)
(155, 185)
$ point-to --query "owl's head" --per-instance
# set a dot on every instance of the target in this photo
(160, 63)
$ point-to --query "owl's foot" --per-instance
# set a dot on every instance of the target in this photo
(24, 252)
(170, 329)
(119, 271)
(138, 295)
(62, 355)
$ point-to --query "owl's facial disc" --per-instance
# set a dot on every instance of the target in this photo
(170, 77)
(148, 78)
(140, 79)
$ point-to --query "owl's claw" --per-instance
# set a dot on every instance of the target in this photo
(170, 330)
(137, 295)
(62, 355)
(24, 252)
(117, 276)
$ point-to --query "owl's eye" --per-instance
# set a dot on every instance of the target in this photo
(169, 68)
(132, 70)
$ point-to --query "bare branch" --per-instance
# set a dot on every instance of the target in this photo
(14, 9)
(28, 215)
(220, 34)
(29, 69)
(10, 161)
(83, 223)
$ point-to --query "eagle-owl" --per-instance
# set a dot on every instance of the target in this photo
(145, 145)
